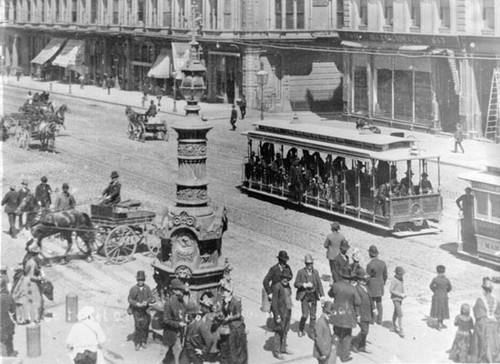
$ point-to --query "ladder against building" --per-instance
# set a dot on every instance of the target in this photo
(493, 119)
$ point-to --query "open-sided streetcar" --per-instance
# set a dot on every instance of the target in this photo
(363, 177)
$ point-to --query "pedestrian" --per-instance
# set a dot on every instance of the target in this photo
(233, 345)
(341, 261)
(459, 137)
(461, 349)
(233, 118)
(139, 299)
(377, 270)
(86, 338)
(273, 277)
(111, 195)
(243, 107)
(42, 193)
(174, 319)
(209, 314)
(486, 338)
(345, 308)
(440, 286)
(309, 292)
(366, 311)
(197, 343)
(26, 291)
(356, 261)
(109, 84)
(466, 205)
(64, 200)
(104, 81)
(29, 98)
(332, 243)
(82, 80)
(226, 276)
(324, 346)
(281, 307)
(11, 201)
(7, 320)
(159, 97)
(425, 185)
(18, 75)
(397, 295)
(23, 192)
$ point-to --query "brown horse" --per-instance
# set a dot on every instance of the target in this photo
(44, 223)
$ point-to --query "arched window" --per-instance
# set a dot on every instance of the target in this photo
(415, 13)
(444, 13)
(489, 14)
(388, 12)
(363, 12)
(340, 14)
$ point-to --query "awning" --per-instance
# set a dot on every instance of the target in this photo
(49, 51)
(180, 55)
(161, 67)
(71, 55)
(375, 46)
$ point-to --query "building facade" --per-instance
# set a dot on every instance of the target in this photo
(424, 64)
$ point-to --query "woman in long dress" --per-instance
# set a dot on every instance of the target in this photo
(486, 339)
(440, 286)
(27, 294)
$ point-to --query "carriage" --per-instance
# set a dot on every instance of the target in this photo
(139, 126)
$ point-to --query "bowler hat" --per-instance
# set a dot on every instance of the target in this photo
(328, 307)
(24, 182)
(114, 174)
(344, 244)
(192, 307)
(177, 284)
(283, 255)
(44, 179)
(487, 283)
(65, 186)
(441, 268)
(425, 175)
(285, 273)
(308, 258)
(141, 276)
(373, 251)
(335, 226)
(409, 173)
(399, 271)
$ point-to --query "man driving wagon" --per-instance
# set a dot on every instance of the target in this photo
(111, 195)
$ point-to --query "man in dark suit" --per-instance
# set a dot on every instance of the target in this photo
(198, 339)
(377, 270)
(344, 317)
(323, 341)
(332, 243)
(366, 310)
(281, 306)
(309, 291)
(139, 299)
(111, 195)
(23, 192)
(42, 193)
(340, 261)
(274, 276)
(174, 319)
(11, 201)
(233, 118)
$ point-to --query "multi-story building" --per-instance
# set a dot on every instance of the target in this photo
(408, 63)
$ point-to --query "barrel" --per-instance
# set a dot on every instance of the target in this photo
(33, 340)
(71, 307)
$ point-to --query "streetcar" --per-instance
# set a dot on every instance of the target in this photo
(358, 175)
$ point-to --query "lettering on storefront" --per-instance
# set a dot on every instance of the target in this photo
(405, 39)
(485, 187)
(487, 228)
(488, 248)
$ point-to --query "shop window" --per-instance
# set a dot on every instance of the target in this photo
(423, 93)
(444, 13)
(489, 14)
(495, 207)
(481, 204)
(167, 13)
(227, 14)
(415, 13)
(360, 89)
(403, 95)
(384, 92)
(388, 12)
(340, 14)
(363, 12)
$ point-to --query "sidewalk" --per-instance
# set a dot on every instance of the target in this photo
(477, 153)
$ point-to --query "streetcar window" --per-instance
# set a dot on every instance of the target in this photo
(481, 204)
(495, 207)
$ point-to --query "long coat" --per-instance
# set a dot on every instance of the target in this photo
(273, 276)
(366, 306)
(303, 277)
(26, 292)
(113, 191)
(10, 201)
(339, 262)
(42, 194)
(323, 338)
(173, 313)
(346, 304)
(440, 285)
(486, 338)
(332, 244)
(377, 270)
(278, 304)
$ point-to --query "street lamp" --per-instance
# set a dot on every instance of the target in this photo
(262, 80)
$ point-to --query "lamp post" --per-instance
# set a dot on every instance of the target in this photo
(262, 80)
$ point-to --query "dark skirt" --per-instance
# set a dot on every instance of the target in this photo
(486, 341)
(439, 307)
(233, 347)
(461, 348)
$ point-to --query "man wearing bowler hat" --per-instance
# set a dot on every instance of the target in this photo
(198, 340)
(23, 192)
(273, 276)
(377, 270)
(281, 306)
(366, 311)
(174, 319)
(407, 184)
(42, 193)
(323, 340)
(11, 201)
(64, 200)
(309, 291)
(332, 243)
(425, 185)
(139, 298)
(111, 195)
(340, 261)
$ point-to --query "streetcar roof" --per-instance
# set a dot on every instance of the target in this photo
(340, 141)
(490, 176)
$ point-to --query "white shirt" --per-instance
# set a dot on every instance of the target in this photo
(85, 335)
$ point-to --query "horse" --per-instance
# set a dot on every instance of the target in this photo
(44, 223)
(136, 123)
(47, 133)
(58, 115)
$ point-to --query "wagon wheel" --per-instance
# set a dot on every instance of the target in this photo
(121, 244)
(152, 238)
(130, 130)
(99, 237)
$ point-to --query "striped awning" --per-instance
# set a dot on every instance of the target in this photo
(49, 51)
(71, 55)
(161, 68)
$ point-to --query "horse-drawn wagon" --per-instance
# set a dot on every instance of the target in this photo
(139, 125)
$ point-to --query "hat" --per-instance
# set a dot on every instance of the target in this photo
(192, 307)
(344, 244)
(206, 299)
(285, 273)
(409, 172)
(308, 259)
(328, 307)
(425, 175)
(345, 273)
(114, 174)
(177, 284)
(65, 186)
(85, 312)
(373, 251)
(283, 255)
(441, 268)
(335, 226)
(487, 283)
(12, 187)
(399, 271)
(44, 179)
(24, 182)
(360, 274)
(141, 276)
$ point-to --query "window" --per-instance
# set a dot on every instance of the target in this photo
(140, 10)
(277, 12)
(495, 207)
(167, 13)
(340, 13)
(294, 14)
(74, 13)
(212, 23)
(300, 14)
(444, 13)
(7, 9)
(360, 89)
(115, 11)
(481, 204)
(388, 12)
(489, 14)
(363, 12)
(415, 13)
(57, 11)
(403, 95)
(227, 14)
(384, 92)
(93, 11)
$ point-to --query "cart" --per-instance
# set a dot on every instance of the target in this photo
(121, 228)
(137, 130)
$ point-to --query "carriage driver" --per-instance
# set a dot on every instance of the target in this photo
(152, 111)
(111, 195)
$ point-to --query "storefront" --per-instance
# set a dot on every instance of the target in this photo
(224, 76)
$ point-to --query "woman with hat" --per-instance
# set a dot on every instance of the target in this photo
(486, 338)
(111, 195)
(440, 286)
(139, 298)
(86, 339)
(26, 291)
(64, 200)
